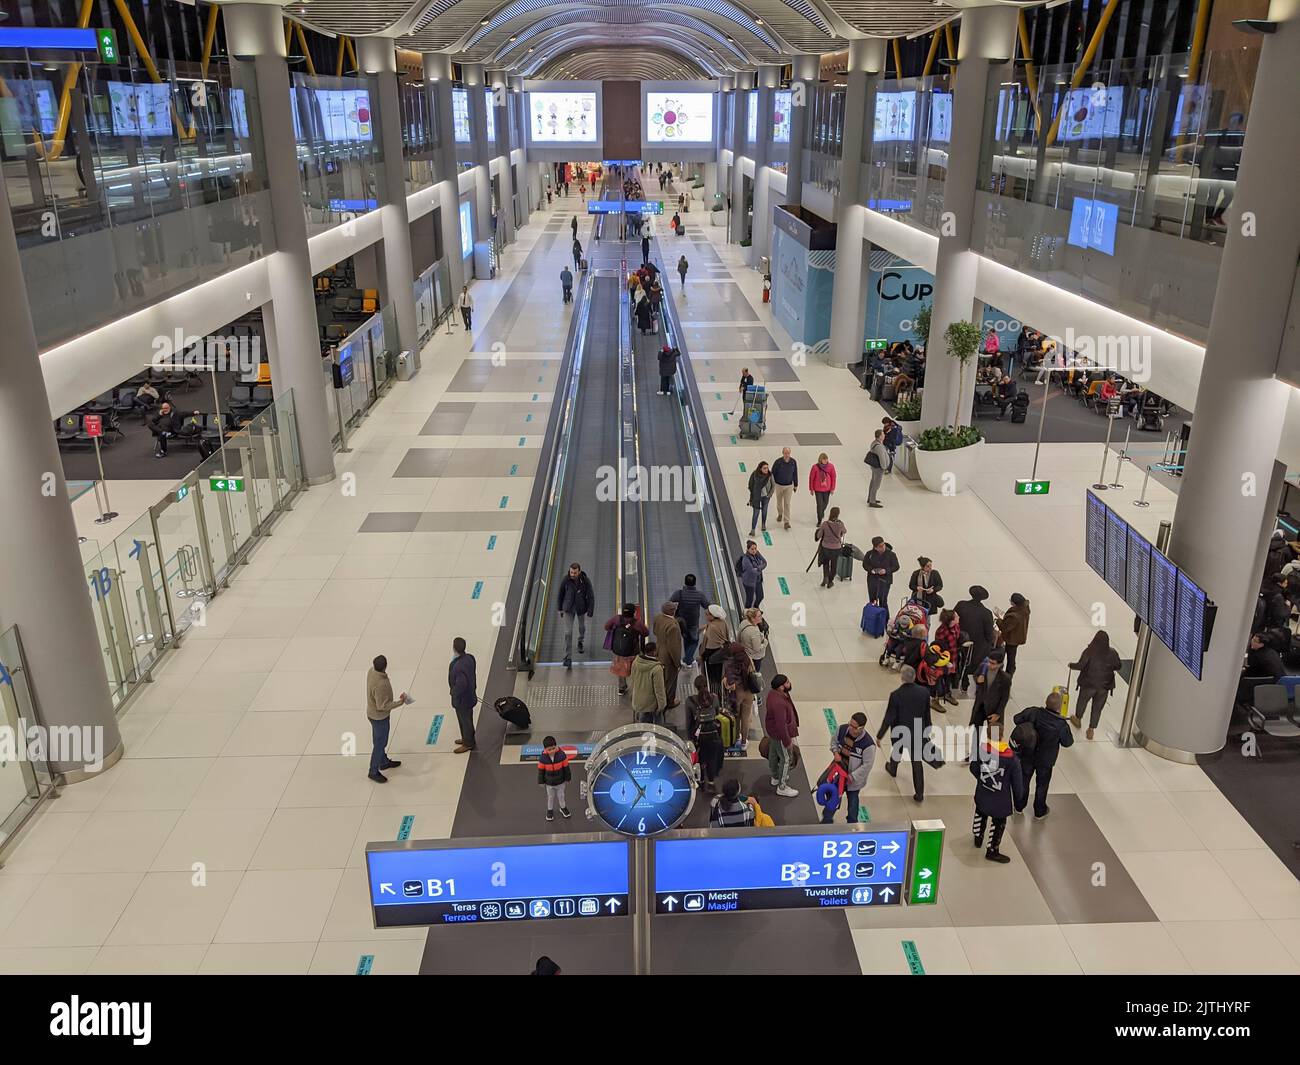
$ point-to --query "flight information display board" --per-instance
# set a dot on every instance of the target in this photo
(438, 882)
(1165, 598)
(782, 869)
(1116, 553)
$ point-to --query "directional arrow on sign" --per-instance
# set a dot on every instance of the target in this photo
(611, 904)
(5, 677)
(892, 846)
(218, 485)
(888, 868)
(386, 889)
(886, 892)
(925, 874)
(669, 902)
(135, 550)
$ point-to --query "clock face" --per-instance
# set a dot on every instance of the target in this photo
(640, 792)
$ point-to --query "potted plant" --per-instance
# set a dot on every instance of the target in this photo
(907, 412)
(717, 215)
(946, 454)
(921, 325)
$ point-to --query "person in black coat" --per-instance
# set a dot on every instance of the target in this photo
(1053, 734)
(998, 782)
(925, 584)
(907, 723)
(976, 629)
(992, 690)
(164, 424)
(644, 315)
(462, 680)
(667, 369)
(576, 600)
(881, 564)
(1263, 666)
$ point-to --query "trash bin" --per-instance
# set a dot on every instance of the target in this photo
(405, 369)
(905, 459)
(765, 265)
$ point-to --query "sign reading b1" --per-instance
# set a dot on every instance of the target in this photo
(1033, 488)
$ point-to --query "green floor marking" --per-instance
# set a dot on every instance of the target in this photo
(913, 957)
(742, 467)
(435, 730)
(521, 440)
(364, 964)
(767, 539)
(534, 397)
(504, 501)
(831, 723)
(492, 542)
(408, 822)
(528, 418)
(514, 470)
(785, 588)
(733, 439)
(478, 590)
(726, 416)
(803, 645)
(717, 395)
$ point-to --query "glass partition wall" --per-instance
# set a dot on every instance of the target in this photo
(336, 126)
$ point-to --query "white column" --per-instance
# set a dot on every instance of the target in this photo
(768, 78)
(987, 39)
(379, 60)
(849, 294)
(500, 104)
(437, 77)
(43, 587)
(807, 69)
(739, 147)
(517, 104)
(1225, 509)
(256, 31)
(484, 150)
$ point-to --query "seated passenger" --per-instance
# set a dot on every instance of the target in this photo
(729, 810)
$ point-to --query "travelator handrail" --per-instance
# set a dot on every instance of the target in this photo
(631, 512)
(544, 533)
(720, 548)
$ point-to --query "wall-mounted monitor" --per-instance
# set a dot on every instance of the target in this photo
(140, 110)
(678, 117)
(563, 117)
(751, 118)
(466, 229)
(1093, 224)
(491, 113)
(38, 107)
(895, 116)
(781, 103)
(460, 115)
(344, 114)
(1189, 112)
(940, 117)
(1094, 113)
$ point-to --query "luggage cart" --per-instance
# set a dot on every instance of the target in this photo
(753, 413)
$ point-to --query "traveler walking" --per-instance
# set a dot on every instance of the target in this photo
(466, 305)
(553, 773)
(667, 633)
(821, 483)
(857, 753)
(462, 680)
(781, 723)
(573, 222)
(649, 694)
(566, 284)
(379, 704)
(704, 728)
(881, 564)
(749, 568)
(1014, 627)
(577, 253)
(761, 486)
(667, 369)
(576, 601)
(1097, 667)
(830, 538)
(737, 693)
(992, 690)
(977, 631)
(625, 635)
(879, 462)
(690, 601)
(682, 267)
(645, 249)
(1053, 734)
(907, 723)
(785, 478)
(998, 781)
(925, 584)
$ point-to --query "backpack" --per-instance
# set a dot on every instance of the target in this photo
(626, 641)
(740, 566)
(1024, 737)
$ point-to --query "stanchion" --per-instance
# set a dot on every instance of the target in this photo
(1122, 453)
(1101, 484)
(1142, 501)
(107, 514)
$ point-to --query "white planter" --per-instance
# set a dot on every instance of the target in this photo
(947, 472)
(717, 218)
(912, 429)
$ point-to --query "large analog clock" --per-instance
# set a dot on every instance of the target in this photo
(640, 780)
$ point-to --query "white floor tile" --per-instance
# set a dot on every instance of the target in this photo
(175, 908)
(71, 910)
(279, 906)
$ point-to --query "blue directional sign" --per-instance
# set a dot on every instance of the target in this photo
(428, 882)
(136, 545)
(812, 867)
(625, 207)
(48, 38)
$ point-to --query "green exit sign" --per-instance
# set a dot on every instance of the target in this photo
(927, 857)
(875, 345)
(1033, 488)
(108, 46)
(226, 484)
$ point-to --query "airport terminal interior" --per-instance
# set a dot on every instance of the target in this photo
(404, 402)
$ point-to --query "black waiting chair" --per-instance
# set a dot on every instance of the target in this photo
(69, 430)
(101, 404)
(263, 397)
(239, 402)
(1269, 711)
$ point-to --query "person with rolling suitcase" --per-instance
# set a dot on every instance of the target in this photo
(566, 284)
(462, 680)
(830, 538)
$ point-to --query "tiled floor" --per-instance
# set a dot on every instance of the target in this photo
(230, 839)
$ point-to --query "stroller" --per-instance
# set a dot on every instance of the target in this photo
(905, 635)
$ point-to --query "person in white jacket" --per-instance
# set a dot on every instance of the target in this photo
(855, 745)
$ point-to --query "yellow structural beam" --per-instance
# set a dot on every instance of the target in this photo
(1085, 62)
(338, 60)
(1198, 41)
(948, 43)
(930, 56)
(352, 55)
(55, 148)
(1031, 75)
(898, 59)
(209, 35)
(302, 43)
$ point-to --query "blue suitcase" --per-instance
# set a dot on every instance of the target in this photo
(874, 620)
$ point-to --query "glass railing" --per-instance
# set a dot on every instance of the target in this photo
(912, 128)
(24, 771)
(154, 581)
(360, 369)
(1133, 162)
(432, 299)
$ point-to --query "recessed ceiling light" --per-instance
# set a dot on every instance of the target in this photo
(485, 22)
(514, 37)
(758, 21)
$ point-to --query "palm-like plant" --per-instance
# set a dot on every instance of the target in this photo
(963, 340)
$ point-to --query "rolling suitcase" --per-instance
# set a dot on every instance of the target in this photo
(874, 620)
(582, 266)
(681, 231)
(844, 566)
(513, 710)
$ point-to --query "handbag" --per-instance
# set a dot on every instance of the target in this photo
(754, 682)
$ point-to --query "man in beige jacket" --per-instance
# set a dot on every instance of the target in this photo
(667, 633)
(379, 704)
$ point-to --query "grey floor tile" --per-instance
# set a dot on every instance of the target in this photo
(471, 521)
(423, 462)
(390, 522)
(445, 424)
(794, 399)
(817, 439)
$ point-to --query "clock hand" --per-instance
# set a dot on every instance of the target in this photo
(640, 791)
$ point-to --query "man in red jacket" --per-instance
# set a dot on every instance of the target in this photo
(781, 722)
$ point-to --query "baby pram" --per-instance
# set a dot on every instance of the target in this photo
(905, 634)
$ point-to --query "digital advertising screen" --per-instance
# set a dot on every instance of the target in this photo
(466, 229)
(491, 113)
(140, 110)
(460, 115)
(1189, 112)
(679, 117)
(239, 113)
(1094, 113)
(751, 118)
(501, 881)
(345, 114)
(895, 116)
(781, 102)
(38, 107)
(562, 118)
(941, 117)
(771, 870)
(1093, 225)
